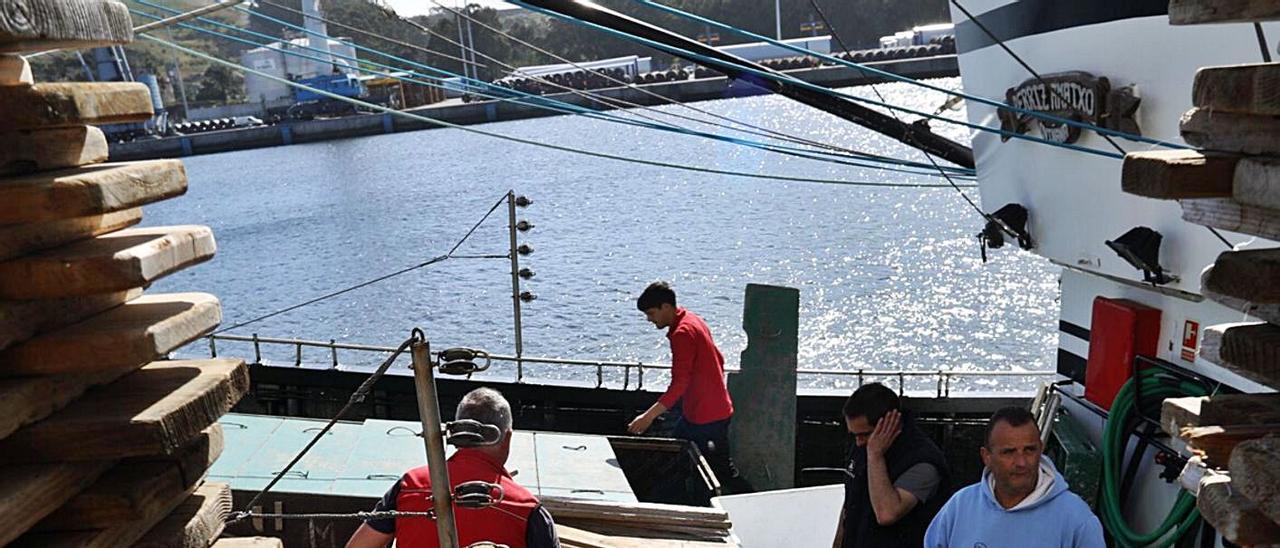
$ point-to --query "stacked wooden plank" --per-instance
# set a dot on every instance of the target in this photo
(610, 524)
(103, 441)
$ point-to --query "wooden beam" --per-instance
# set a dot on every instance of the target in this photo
(21, 320)
(134, 257)
(1251, 350)
(1269, 312)
(249, 542)
(196, 523)
(156, 410)
(1216, 442)
(30, 25)
(1177, 174)
(1237, 518)
(1257, 183)
(642, 512)
(1246, 89)
(90, 190)
(74, 104)
(1232, 132)
(1253, 465)
(126, 491)
(29, 493)
(1179, 413)
(53, 148)
(1249, 275)
(19, 239)
(119, 534)
(15, 71)
(1228, 214)
(125, 337)
(25, 400)
(1241, 409)
(1194, 12)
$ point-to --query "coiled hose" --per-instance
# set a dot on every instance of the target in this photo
(1155, 385)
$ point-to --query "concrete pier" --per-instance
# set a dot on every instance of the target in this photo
(479, 112)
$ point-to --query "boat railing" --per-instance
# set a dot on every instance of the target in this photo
(942, 377)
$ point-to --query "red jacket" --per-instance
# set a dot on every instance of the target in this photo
(697, 372)
(503, 524)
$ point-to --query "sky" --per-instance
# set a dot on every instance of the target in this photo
(409, 8)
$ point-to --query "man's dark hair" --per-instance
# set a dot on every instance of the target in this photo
(871, 400)
(654, 296)
(1013, 416)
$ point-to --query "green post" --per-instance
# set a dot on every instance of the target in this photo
(764, 392)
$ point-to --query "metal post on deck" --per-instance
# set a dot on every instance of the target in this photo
(515, 283)
(433, 437)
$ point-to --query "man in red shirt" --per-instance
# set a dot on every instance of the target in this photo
(697, 381)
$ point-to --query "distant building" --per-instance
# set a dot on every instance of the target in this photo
(278, 63)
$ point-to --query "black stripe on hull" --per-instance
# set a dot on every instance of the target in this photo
(1032, 17)
(1071, 366)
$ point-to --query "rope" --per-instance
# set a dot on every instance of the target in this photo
(424, 264)
(356, 397)
(364, 516)
(889, 75)
(560, 106)
(593, 154)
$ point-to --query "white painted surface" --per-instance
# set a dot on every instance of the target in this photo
(788, 517)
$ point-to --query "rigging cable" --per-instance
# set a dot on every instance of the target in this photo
(564, 107)
(1039, 78)
(562, 148)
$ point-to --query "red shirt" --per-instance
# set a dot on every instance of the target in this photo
(697, 371)
(504, 523)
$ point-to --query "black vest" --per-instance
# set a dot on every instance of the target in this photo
(911, 448)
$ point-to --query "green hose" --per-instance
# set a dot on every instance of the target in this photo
(1158, 385)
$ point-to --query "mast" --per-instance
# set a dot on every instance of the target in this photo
(914, 135)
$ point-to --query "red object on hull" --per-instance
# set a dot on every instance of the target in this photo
(1120, 331)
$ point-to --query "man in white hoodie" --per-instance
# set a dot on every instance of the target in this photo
(1022, 501)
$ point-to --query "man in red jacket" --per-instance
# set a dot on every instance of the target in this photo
(697, 381)
(517, 521)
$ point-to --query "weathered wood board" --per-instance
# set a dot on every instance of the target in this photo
(133, 257)
(1228, 214)
(125, 337)
(1253, 465)
(19, 239)
(33, 25)
(53, 148)
(1217, 442)
(1232, 132)
(156, 410)
(1177, 174)
(1241, 409)
(249, 542)
(1234, 516)
(1245, 89)
(1251, 350)
(89, 190)
(1248, 275)
(44, 105)
(29, 493)
(1179, 413)
(21, 320)
(1264, 311)
(1257, 183)
(196, 523)
(1194, 12)
(15, 71)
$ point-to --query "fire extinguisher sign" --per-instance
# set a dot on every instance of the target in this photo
(1190, 340)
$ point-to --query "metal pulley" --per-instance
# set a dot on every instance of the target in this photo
(462, 361)
(471, 433)
(477, 494)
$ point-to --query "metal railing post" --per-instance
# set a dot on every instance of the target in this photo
(433, 437)
(515, 284)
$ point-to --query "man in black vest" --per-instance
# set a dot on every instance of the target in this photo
(896, 478)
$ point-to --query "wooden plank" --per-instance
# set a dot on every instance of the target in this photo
(196, 523)
(1179, 413)
(1194, 12)
(642, 512)
(119, 534)
(249, 542)
(134, 257)
(1216, 442)
(1240, 409)
(1234, 516)
(25, 400)
(90, 190)
(74, 104)
(21, 320)
(1177, 174)
(29, 493)
(1257, 183)
(29, 25)
(1246, 89)
(1248, 275)
(126, 491)
(125, 337)
(1232, 132)
(1228, 214)
(1269, 312)
(52, 148)
(15, 71)
(156, 410)
(1251, 350)
(19, 239)
(1253, 465)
